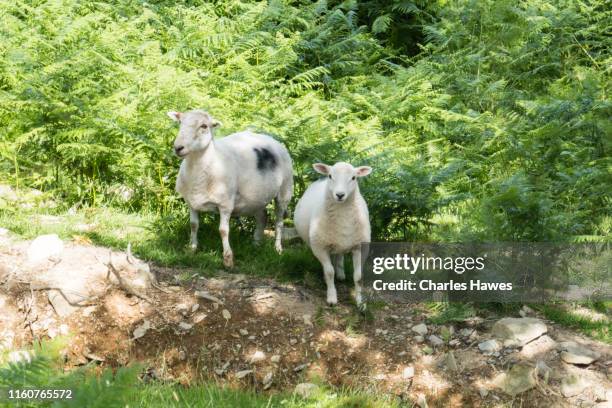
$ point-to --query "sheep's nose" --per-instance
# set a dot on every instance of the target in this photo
(340, 196)
(178, 149)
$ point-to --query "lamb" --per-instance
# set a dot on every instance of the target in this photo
(236, 175)
(332, 218)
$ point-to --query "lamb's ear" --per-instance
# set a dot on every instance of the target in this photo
(215, 123)
(321, 168)
(175, 116)
(363, 171)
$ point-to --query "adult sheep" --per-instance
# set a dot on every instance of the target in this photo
(332, 218)
(236, 175)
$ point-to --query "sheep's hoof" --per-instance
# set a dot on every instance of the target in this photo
(332, 299)
(193, 247)
(278, 247)
(340, 276)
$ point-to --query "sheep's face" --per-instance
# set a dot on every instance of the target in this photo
(195, 132)
(341, 179)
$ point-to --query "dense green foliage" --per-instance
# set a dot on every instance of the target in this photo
(483, 120)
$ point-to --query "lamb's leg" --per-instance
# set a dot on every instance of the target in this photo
(228, 256)
(328, 272)
(194, 222)
(261, 218)
(280, 208)
(357, 274)
(339, 266)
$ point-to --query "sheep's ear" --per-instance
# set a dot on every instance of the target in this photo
(321, 168)
(175, 116)
(215, 123)
(363, 171)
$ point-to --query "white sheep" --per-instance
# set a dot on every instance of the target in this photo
(236, 175)
(332, 218)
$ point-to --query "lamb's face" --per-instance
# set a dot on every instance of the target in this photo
(341, 179)
(195, 132)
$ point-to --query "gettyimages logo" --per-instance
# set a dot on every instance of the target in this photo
(413, 264)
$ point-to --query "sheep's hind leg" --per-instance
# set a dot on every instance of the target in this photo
(228, 255)
(280, 208)
(194, 222)
(328, 272)
(261, 218)
(339, 266)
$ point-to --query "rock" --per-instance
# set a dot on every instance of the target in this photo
(205, 295)
(267, 380)
(408, 372)
(573, 384)
(257, 356)
(226, 314)
(466, 332)
(518, 331)
(420, 329)
(185, 326)
(243, 373)
(299, 368)
(7, 193)
(543, 370)
(307, 319)
(483, 392)
(421, 401)
(60, 305)
(141, 330)
(435, 340)
(519, 379)
(198, 318)
(44, 247)
(454, 342)
(89, 310)
(195, 308)
(574, 353)
(489, 346)
(293, 342)
(306, 390)
(93, 357)
(538, 347)
(221, 371)
(244, 332)
(275, 358)
(450, 362)
(419, 339)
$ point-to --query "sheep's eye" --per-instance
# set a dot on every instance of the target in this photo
(204, 126)
(353, 178)
(329, 177)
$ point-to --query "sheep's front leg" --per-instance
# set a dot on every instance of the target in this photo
(194, 222)
(228, 255)
(339, 267)
(357, 275)
(328, 272)
(261, 219)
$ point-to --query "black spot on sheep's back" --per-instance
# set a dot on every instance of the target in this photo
(265, 159)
